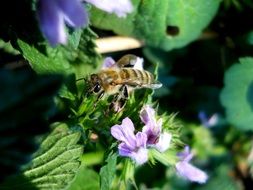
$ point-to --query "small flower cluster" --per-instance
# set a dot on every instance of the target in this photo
(136, 146)
(53, 14)
(188, 171)
(206, 121)
(152, 135)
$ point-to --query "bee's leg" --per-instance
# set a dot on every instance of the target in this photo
(99, 96)
(128, 60)
(124, 97)
(114, 102)
(119, 100)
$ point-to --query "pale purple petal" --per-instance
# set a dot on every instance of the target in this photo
(213, 120)
(141, 156)
(152, 133)
(138, 63)
(74, 12)
(108, 63)
(147, 114)
(51, 22)
(119, 7)
(163, 142)
(128, 128)
(124, 150)
(152, 128)
(186, 155)
(141, 139)
(133, 146)
(187, 170)
(208, 122)
(190, 172)
(125, 132)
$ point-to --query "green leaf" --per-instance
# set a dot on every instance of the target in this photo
(26, 102)
(190, 17)
(107, 172)
(86, 179)
(74, 38)
(86, 59)
(237, 94)
(55, 164)
(202, 141)
(7, 47)
(76, 60)
(51, 61)
(165, 24)
(81, 48)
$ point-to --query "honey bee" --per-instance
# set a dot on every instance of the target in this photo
(118, 80)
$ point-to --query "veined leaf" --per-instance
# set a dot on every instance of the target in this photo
(51, 61)
(165, 24)
(107, 172)
(86, 179)
(26, 102)
(78, 59)
(237, 94)
(54, 165)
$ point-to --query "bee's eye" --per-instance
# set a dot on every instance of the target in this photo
(97, 88)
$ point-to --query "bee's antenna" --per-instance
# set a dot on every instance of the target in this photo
(81, 79)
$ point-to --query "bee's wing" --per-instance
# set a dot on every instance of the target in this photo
(130, 60)
(136, 84)
(154, 85)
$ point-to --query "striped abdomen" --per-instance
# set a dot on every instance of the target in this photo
(138, 78)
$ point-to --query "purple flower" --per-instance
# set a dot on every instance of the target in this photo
(153, 129)
(147, 115)
(208, 122)
(188, 171)
(108, 63)
(133, 146)
(53, 14)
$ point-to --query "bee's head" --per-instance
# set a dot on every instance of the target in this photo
(95, 83)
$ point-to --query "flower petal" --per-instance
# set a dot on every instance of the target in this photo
(141, 156)
(138, 63)
(186, 155)
(108, 63)
(163, 142)
(125, 132)
(51, 22)
(124, 150)
(74, 12)
(141, 139)
(147, 114)
(120, 7)
(152, 133)
(208, 122)
(190, 172)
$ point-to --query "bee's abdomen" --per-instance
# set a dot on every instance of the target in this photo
(138, 77)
